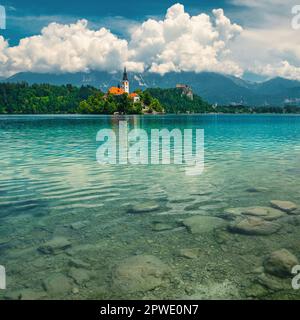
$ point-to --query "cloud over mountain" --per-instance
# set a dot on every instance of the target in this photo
(64, 48)
(269, 45)
(179, 42)
(185, 43)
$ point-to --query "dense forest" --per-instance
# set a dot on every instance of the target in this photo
(21, 98)
(174, 101)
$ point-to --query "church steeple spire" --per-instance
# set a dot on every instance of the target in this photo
(125, 82)
(125, 76)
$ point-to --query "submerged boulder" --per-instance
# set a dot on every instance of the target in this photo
(257, 189)
(254, 226)
(160, 226)
(139, 274)
(189, 253)
(272, 283)
(291, 219)
(280, 263)
(79, 225)
(287, 206)
(232, 213)
(57, 284)
(55, 245)
(203, 224)
(79, 275)
(266, 213)
(263, 212)
(144, 207)
(177, 200)
(77, 263)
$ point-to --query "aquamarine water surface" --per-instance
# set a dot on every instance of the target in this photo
(51, 187)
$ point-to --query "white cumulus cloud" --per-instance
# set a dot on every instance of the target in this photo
(282, 69)
(64, 48)
(182, 42)
(266, 45)
(269, 45)
(179, 42)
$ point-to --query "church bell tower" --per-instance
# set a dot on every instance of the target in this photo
(125, 81)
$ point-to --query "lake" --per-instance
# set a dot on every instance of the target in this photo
(71, 228)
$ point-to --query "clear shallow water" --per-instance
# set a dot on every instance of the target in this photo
(50, 180)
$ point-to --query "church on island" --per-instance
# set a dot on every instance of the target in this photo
(124, 88)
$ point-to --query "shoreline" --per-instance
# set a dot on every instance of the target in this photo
(146, 115)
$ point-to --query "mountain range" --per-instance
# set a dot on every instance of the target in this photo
(213, 87)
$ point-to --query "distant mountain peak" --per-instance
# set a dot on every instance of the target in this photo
(213, 87)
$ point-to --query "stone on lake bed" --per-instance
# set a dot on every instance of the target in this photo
(287, 206)
(225, 290)
(181, 200)
(139, 274)
(272, 283)
(75, 290)
(263, 212)
(203, 224)
(77, 263)
(145, 207)
(232, 213)
(79, 225)
(57, 284)
(55, 246)
(80, 276)
(257, 189)
(291, 219)
(159, 226)
(193, 207)
(266, 213)
(280, 263)
(31, 295)
(192, 253)
(254, 226)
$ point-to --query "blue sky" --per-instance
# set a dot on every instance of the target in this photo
(253, 39)
(26, 18)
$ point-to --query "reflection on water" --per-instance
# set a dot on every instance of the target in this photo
(72, 229)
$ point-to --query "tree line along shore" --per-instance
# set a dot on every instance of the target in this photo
(22, 98)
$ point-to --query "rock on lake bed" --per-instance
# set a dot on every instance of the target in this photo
(55, 245)
(139, 274)
(280, 263)
(254, 226)
(203, 224)
(266, 213)
(145, 207)
(286, 206)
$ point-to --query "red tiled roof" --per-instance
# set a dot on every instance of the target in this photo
(116, 91)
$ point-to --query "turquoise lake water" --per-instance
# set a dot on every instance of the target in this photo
(52, 188)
